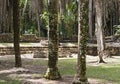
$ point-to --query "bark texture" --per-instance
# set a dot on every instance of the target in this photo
(53, 41)
(99, 31)
(16, 28)
(82, 42)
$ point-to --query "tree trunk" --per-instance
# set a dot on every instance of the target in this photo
(38, 22)
(16, 27)
(99, 31)
(1, 16)
(62, 22)
(38, 8)
(82, 42)
(90, 17)
(4, 17)
(25, 5)
(10, 22)
(53, 41)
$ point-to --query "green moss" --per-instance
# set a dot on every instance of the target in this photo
(52, 74)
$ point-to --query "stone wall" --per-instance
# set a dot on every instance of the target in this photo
(29, 38)
(8, 37)
(63, 51)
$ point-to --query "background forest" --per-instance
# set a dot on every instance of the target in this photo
(34, 18)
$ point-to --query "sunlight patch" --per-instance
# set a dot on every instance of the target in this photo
(13, 70)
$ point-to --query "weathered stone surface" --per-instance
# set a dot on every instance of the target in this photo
(64, 51)
(6, 37)
(29, 38)
(40, 54)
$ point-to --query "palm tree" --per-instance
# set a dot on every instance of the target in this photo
(16, 27)
(53, 41)
(82, 42)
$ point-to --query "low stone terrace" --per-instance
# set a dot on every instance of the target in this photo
(65, 49)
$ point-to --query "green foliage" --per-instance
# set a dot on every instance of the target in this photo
(28, 24)
(69, 27)
(22, 3)
(117, 28)
(45, 18)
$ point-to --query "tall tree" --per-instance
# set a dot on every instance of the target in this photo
(62, 14)
(5, 16)
(82, 42)
(10, 22)
(39, 11)
(90, 17)
(16, 28)
(1, 16)
(99, 30)
(53, 41)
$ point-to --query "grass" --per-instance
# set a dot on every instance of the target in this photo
(10, 82)
(109, 73)
(67, 66)
(105, 72)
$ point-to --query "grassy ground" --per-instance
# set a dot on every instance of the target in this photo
(35, 68)
(103, 72)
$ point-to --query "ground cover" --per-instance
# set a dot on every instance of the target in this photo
(33, 70)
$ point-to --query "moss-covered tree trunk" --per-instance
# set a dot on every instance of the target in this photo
(82, 42)
(16, 28)
(53, 42)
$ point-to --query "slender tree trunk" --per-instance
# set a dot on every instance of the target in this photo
(53, 41)
(116, 12)
(41, 7)
(7, 17)
(99, 31)
(82, 42)
(4, 17)
(16, 27)
(38, 21)
(0, 16)
(25, 5)
(90, 17)
(62, 14)
(39, 11)
(10, 22)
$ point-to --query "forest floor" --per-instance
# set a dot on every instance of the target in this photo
(33, 69)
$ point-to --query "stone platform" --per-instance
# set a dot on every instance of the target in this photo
(64, 49)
